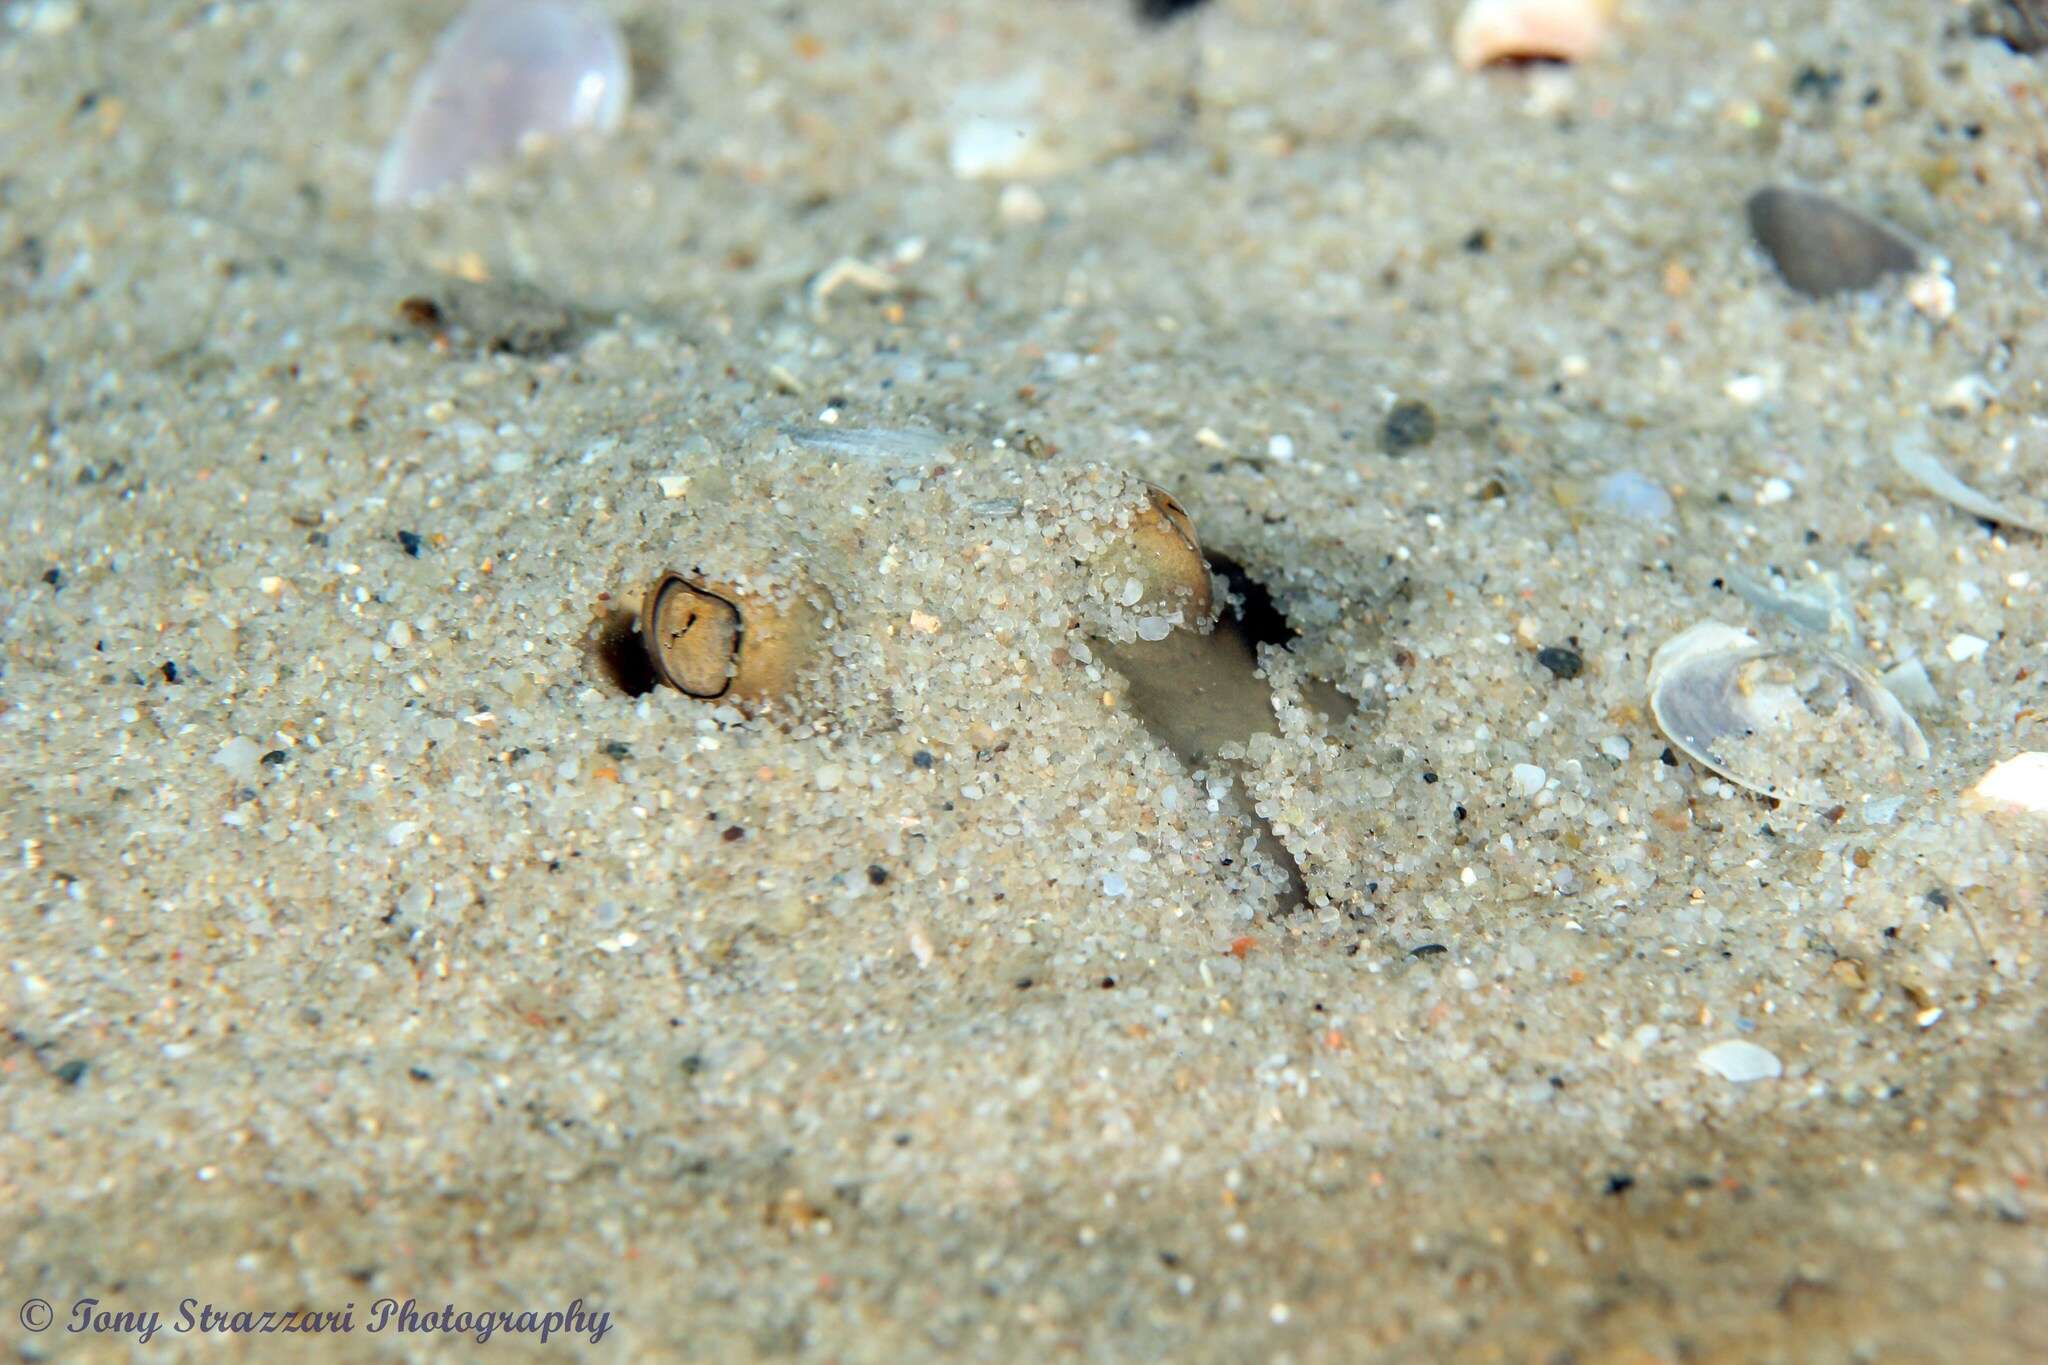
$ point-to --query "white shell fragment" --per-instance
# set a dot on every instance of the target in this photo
(1800, 725)
(2020, 783)
(1741, 1062)
(997, 131)
(1524, 30)
(504, 75)
(1634, 495)
(870, 443)
(1914, 454)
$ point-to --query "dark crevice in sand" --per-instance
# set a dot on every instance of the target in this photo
(620, 656)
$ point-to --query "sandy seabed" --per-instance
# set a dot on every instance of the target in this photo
(364, 938)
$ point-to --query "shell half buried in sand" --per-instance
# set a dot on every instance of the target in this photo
(1491, 31)
(1799, 725)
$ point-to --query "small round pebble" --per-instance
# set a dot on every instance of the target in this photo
(1563, 661)
(1411, 423)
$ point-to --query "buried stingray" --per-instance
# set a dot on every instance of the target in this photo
(1192, 675)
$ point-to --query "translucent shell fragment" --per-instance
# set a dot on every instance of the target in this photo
(1916, 455)
(1492, 31)
(714, 641)
(505, 74)
(1799, 725)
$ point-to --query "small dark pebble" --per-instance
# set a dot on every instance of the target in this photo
(1460, 813)
(409, 541)
(420, 311)
(1109, 983)
(877, 874)
(903, 1139)
(921, 759)
(1478, 241)
(2021, 25)
(55, 578)
(1667, 758)
(1565, 663)
(733, 834)
(1811, 80)
(1410, 424)
(170, 671)
(1937, 898)
(72, 1072)
(692, 1064)
(419, 1073)
(1427, 950)
(276, 758)
(618, 749)
(1822, 248)
(1429, 778)
(1620, 1183)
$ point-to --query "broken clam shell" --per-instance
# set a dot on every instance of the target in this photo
(713, 640)
(1800, 725)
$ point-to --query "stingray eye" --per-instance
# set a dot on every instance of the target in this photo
(710, 640)
(693, 637)
(1159, 567)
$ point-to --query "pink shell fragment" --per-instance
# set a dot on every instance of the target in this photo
(1526, 30)
(506, 73)
(2020, 783)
